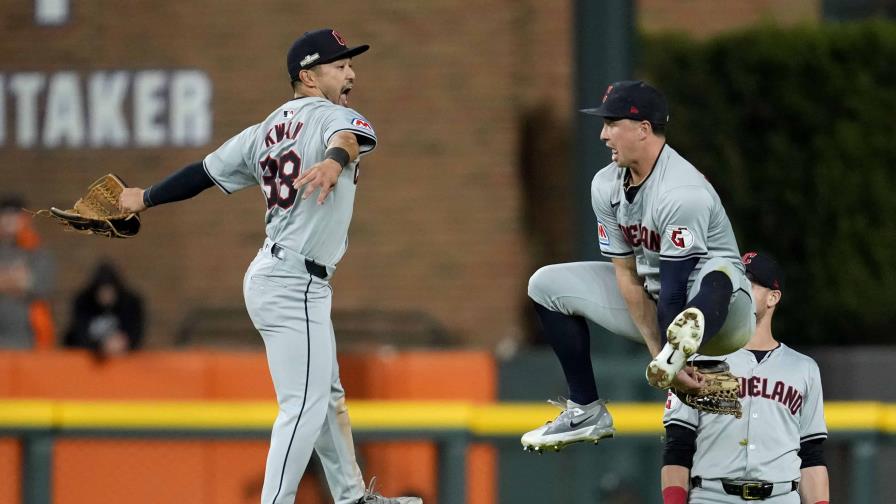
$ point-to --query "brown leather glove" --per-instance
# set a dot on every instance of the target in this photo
(719, 393)
(97, 212)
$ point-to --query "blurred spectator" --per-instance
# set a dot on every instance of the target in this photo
(26, 279)
(107, 317)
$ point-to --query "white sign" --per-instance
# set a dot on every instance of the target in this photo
(106, 109)
(51, 12)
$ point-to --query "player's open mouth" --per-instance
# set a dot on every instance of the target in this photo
(343, 96)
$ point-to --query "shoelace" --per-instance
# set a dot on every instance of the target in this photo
(560, 403)
(370, 493)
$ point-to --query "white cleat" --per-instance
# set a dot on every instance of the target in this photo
(686, 331)
(665, 366)
(683, 336)
(575, 424)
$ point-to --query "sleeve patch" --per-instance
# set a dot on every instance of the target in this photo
(680, 236)
(602, 235)
(361, 123)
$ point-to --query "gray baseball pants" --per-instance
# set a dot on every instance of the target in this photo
(291, 310)
(589, 289)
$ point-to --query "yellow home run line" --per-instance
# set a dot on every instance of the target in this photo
(490, 419)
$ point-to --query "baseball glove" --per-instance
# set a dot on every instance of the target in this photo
(719, 392)
(97, 212)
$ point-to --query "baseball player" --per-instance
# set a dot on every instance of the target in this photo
(775, 451)
(304, 156)
(675, 266)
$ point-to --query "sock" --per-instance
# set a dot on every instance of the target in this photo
(569, 337)
(712, 299)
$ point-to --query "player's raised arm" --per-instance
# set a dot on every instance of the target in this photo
(180, 185)
(342, 150)
(226, 167)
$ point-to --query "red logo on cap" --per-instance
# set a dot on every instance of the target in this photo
(748, 257)
(338, 38)
(609, 88)
(633, 110)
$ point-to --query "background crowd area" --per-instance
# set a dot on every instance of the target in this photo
(785, 105)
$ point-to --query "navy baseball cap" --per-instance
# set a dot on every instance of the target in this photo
(633, 100)
(763, 269)
(318, 47)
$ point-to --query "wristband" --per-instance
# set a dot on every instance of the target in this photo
(339, 155)
(823, 502)
(146, 201)
(675, 495)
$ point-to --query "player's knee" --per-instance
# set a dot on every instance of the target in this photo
(725, 267)
(540, 285)
(718, 281)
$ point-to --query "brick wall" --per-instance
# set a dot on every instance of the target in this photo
(444, 222)
(436, 218)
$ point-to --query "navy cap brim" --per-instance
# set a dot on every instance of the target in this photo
(348, 53)
(594, 111)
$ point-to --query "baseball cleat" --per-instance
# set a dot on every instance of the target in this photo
(686, 331)
(574, 424)
(683, 336)
(665, 366)
(371, 497)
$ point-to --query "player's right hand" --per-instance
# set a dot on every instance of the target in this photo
(688, 379)
(323, 176)
(131, 200)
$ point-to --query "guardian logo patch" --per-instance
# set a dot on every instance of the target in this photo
(680, 236)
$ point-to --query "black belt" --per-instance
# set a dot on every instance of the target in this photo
(314, 269)
(746, 489)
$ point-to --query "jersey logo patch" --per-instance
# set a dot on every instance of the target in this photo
(680, 236)
(361, 123)
(602, 235)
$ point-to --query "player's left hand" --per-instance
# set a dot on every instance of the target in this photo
(131, 200)
(688, 379)
(321, 176)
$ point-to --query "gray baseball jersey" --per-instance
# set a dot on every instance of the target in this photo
(273, 153)
(289, 298)
(782, 405)
(676, 215)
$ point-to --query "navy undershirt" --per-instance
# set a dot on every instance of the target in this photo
(760, 354)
